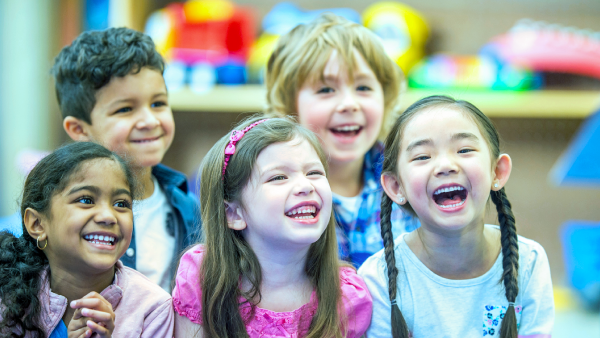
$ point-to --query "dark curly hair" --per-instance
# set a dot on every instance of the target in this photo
(93, 59)
(21, 262)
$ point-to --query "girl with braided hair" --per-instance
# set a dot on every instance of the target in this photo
(454, 276)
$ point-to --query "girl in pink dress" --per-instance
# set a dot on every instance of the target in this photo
(268, 265)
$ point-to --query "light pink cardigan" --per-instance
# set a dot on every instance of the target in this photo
(142, 308)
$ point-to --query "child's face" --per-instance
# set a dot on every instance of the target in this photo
(287, 202)
(441, 149)
(132, 116)
(96, 202)
(346, 113)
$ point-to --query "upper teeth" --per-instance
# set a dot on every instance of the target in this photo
(439, 191)
(302, 210)
(347, 128)
(100, 238)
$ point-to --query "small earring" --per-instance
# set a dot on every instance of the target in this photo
(401, 199)
(37, 242)
(495, 185)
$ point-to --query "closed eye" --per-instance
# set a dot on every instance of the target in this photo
(464, 151)
(276, 178)
(325, 90)
(316, 172)
(421, 158)
(159, 104)
(363, 88)
(123, 110)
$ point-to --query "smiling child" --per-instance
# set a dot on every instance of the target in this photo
(63, 276)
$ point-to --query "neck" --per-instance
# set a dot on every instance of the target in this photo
(144, 177)
(346, 178)
(464, 254)
(75, 285)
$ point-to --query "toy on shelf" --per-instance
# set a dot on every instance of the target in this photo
(402, 29)
(550, 47)
(203, 41)
(280, 20)
(470, 72)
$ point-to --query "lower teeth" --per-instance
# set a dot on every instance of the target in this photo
(452, 205)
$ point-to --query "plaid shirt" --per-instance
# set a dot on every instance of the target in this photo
(359, 233)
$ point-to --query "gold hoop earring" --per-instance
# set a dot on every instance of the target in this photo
(37, 242)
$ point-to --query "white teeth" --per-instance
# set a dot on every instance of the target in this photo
(303, 210)
(347, 128)
(439, 191)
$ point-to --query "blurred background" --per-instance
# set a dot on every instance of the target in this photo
(532, 66)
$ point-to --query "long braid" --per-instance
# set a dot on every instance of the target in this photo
(399, 327)
(510, 260)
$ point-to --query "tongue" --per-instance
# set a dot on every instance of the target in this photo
(447, 201)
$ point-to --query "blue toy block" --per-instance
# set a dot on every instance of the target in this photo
(580, 163)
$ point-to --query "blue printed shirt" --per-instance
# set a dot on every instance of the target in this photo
(359, 232)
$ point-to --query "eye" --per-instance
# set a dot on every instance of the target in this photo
(421, 158)
(363, 88)
(159, 104)
(464, 151)
(325, 90)
(276, 178)
(124, 110)
(85, 200)
(316, 172)
(122, 204)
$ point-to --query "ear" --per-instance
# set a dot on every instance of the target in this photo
(35, 224)
(501, 172)
(76, 129)
(235, 218)
(392, 188)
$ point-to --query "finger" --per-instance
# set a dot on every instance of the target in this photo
(100, 330)
(79, 332)
(97, 316)
(91, 303)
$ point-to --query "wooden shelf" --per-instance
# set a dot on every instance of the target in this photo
(525, 104)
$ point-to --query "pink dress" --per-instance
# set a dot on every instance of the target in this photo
(358, 304)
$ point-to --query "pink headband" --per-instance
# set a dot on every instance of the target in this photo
(236, 135)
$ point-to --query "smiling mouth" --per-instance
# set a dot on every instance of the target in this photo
(147, 140)
(346, 131)
(450, 197)
(303, 212)
(101, 239)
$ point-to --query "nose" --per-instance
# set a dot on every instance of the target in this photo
(348, 103)
(105, 215)
(303, 187)
(147, 119)
(446, 166)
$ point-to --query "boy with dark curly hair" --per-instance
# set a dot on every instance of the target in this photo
(111, 90)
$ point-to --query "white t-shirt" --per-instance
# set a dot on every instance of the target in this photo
(155, 246)
(434, 306)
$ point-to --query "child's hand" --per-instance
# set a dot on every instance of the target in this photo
(93, 317)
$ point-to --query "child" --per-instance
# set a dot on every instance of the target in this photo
(77, 222)
(335, 76)
(454, 275)
(111, 90)
(268, 266)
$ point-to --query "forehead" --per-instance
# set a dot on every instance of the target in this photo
(297, 151)
(102, 172)
(146, 82)
(337, 65)
(439, 122)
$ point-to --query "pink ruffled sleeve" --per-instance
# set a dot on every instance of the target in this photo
(187, 296)
(358, 302)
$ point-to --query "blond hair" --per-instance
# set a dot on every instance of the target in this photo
(302, 55)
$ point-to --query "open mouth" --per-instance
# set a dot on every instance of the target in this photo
(303, 212)
(346, 131)
(101, 239)
(450, 196)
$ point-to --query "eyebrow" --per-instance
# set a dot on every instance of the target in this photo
(308, 164)
(96, 190)
(462, 136)
(127, 100)
(424, 142)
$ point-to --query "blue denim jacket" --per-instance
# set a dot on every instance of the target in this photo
(184, 223)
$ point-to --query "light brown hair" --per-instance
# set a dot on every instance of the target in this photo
(302, 54)
(229, 257)
(508, 230)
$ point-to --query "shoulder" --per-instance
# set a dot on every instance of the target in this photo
(170, 178)
(357, 300)
(532, 257)
(138, 290)
(187, 295)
